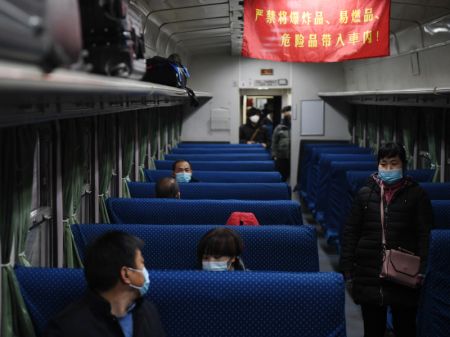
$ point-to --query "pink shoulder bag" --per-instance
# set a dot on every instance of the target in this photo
(399, 265)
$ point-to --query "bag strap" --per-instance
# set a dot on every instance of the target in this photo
(383, 235)
(254, 134)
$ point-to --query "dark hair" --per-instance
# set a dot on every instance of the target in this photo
(106, 256)
(220, 241)
(167, 187)
(253, 111)
(392, 149)
(174, 165)
(286, 108)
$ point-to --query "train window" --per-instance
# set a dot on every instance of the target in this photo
(408, 132)
(360, 125)
(388, 121)
(429, 139)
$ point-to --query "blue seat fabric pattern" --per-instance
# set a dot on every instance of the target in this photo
(205, 304)
(217, 191)
(221, 176)
(434, 310)
(174, 211)
(267, 165)
(219, 157)
(270, 248)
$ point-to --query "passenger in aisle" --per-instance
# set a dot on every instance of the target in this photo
(182, 172)
(167, 187)
(220, 249)
(281, 144)
(252, 131)
(408, 219)
(114, 304)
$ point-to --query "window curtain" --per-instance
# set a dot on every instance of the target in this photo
(372, 127)
(360, 124)
(16, 179)
(433, 138)
(106, 151)
(179, 125)
(153, 131)
(387, 125)
(408, 121)
(162, 132)
(144, 126)
(127, 128)
(74, 158)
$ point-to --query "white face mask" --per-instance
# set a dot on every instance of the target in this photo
(215, 265)
(254, 119)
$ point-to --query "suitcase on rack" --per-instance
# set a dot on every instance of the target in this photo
(46, 33)
(106, 36)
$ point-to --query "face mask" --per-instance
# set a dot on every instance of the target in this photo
(215, 265)
(183, 177)
(390, 176)
(144, 288)
(254, 119)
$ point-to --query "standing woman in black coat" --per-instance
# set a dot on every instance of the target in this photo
(253, 131)
(408, 219)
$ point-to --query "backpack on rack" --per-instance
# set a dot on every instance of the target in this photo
(164, 71)
(106, 36)
(46, 33)
(168, 71)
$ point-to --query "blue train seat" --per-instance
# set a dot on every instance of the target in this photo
(321, 177)
(357, 179)
(221, 176)
(197, 303)
(276, 248)
(267, 165)
(437, 191)
(174, 211)
(434, 310)
(211, 150)
(217, 191)
(219, 157)
(219, 145)
(306, 159)
(441, 213)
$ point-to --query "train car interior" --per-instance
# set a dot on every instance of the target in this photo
(266, 119)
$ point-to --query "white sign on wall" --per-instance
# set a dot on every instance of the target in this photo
(312, 118)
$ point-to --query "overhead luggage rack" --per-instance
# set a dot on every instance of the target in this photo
(29, 95)
(432, 97)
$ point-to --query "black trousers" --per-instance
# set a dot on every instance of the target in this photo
(283, 165)
(374, 316)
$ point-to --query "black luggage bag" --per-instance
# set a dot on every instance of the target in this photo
(165, 71)
(45, 32)
(106, 36)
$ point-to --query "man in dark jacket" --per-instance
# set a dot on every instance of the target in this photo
(407, 220)
(253, 132)
(113, 305)
(182, 172)
(281, 144)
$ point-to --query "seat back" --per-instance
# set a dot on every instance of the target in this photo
(434, 309)
(441, 213)
(217, 191)
(196, 303)
(219, 156)
(207, 165)
(174, 211)
(220, 176)
(276, 248)
(219, 145)
(212, 150)
(437, 191)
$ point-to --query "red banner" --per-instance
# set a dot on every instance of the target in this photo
(315, 30)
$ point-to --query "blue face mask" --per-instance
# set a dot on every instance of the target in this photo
(144, 288)
(215, 265)
(390, 176)
(183, 177)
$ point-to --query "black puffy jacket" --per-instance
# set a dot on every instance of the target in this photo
(408, 219)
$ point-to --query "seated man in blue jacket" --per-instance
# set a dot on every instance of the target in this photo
(114, 304)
